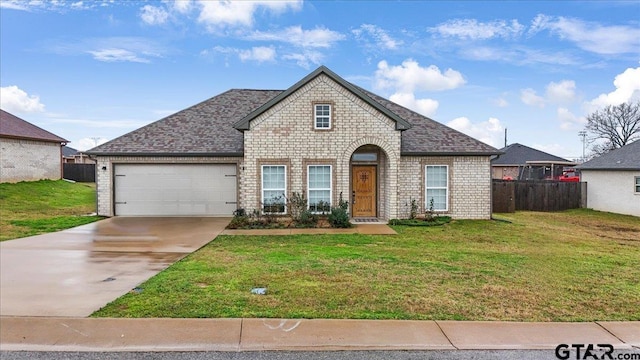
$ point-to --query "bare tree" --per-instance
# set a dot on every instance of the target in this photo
(617, 125)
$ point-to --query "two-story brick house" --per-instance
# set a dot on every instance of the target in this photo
(323, 137)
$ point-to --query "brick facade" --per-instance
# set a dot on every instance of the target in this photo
(469, 185)
(284, 134)
(29, 160)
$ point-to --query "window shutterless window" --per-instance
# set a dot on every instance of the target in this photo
(319, 188)
(637, 184)
(322, 116)
(274, 188)
(437, 187)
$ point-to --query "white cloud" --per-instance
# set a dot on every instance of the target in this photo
(426, 107)
(529, 97)
(409, 77)
(382, 39)
(474, 30)
(562, 92)
(590, 36)
(490, 132)
(15, 100)
(14, 5)
(153, 15)
(85, 144)
(222, 13)
(117, 55)
(259, 54)
(500, 102)
(305, 58)
(316, 38)
(183, 6)
(568, 121)
(50, 5)
(627, 86)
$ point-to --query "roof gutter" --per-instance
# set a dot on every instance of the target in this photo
(156, 154)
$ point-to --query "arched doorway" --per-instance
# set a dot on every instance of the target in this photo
(368, 183)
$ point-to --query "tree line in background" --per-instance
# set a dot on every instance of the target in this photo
(613, 127)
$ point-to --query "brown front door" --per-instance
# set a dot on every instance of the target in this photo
(363, 181)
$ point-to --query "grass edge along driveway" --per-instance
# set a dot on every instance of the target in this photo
(578, 265)
(36, 207)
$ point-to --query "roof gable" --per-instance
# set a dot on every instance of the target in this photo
(624, 158)
(243, 124)
(12, 126)
(518, 154)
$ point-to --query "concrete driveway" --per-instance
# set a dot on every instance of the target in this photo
(77, 271)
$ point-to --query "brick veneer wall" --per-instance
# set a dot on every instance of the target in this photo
(104, 178)
(286, 132)
(469, 185)
(29, 160)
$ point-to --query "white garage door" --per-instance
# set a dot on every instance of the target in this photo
(175, 189)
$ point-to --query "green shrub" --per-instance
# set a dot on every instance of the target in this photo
(339, 218)
(307, 219)
(434, 221)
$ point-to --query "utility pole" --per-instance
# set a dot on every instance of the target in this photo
(505, 137)
(583, 135)
(95, 140)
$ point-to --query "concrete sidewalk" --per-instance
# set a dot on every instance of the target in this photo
(87, 334)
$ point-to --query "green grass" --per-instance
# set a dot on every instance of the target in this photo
(572, 266)
(36, 207)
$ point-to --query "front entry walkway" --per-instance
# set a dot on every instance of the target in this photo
(77, 271)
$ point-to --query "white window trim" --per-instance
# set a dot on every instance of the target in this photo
(315, 116)
(262, 190)
(635, 185)
(446, 188)
(330, 186)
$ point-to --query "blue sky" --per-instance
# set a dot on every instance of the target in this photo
(90, 71)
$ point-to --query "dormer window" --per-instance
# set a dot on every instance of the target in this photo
(322, 117)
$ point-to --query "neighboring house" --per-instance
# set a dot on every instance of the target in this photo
(73, 156)
(27, 152)
(520, 162)
(323, 137)
(613, 180)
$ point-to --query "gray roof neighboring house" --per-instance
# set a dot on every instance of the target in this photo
(214, 126)
(14, 127)
(68, 151)
(518, 154)
(624, 158)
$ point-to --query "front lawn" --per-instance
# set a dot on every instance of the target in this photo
(36, 207)
(577, 265)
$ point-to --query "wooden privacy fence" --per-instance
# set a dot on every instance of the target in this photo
(509, 196)
(79, 172)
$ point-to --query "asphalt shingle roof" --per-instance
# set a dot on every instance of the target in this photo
(203, 129)
(624, 158)
(208, 129)
(12, 126)
(518, 154)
